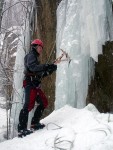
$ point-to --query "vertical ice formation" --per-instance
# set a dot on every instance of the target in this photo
(83, 26)
(22, 49)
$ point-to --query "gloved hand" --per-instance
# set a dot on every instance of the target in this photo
(46, 67)
(50, 67)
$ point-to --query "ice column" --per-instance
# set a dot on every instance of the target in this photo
(83, 26)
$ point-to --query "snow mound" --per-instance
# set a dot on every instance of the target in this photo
(69, 128)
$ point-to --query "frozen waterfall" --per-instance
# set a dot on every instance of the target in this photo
(83, 26)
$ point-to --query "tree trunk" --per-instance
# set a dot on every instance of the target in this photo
(46, 30)
(1, 7)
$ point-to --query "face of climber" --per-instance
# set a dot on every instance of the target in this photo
(39, 49)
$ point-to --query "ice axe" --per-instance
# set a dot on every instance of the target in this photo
(59, 59)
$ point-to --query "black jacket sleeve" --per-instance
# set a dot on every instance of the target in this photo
(49, 69)
(42, 70)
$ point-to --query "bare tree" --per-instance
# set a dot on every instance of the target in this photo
(12, 24)
(1, 8)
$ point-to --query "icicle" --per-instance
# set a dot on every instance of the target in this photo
(83, 26)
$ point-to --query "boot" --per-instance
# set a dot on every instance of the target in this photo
(37, 126)
(24, 132)
(23, 119)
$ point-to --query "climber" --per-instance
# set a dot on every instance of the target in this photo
(34, 72)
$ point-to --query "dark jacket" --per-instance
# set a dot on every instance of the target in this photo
(34, 71)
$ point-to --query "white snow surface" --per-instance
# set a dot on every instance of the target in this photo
(3, 123)
(70, 129)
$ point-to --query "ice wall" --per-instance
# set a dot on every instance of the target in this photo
(83, 26)
(22, 49)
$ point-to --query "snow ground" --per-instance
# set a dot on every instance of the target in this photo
(3, 123)
(70, 129)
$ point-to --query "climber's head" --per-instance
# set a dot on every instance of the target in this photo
(37, 42)
(38, 45)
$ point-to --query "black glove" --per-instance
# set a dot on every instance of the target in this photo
(50, 68)
(46, 66)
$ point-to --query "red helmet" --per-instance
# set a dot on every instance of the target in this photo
(37, 42)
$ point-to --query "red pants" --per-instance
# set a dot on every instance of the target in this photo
(34, 92)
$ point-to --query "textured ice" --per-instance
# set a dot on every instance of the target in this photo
(83, 26)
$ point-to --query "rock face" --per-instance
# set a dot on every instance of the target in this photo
(101, 89)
